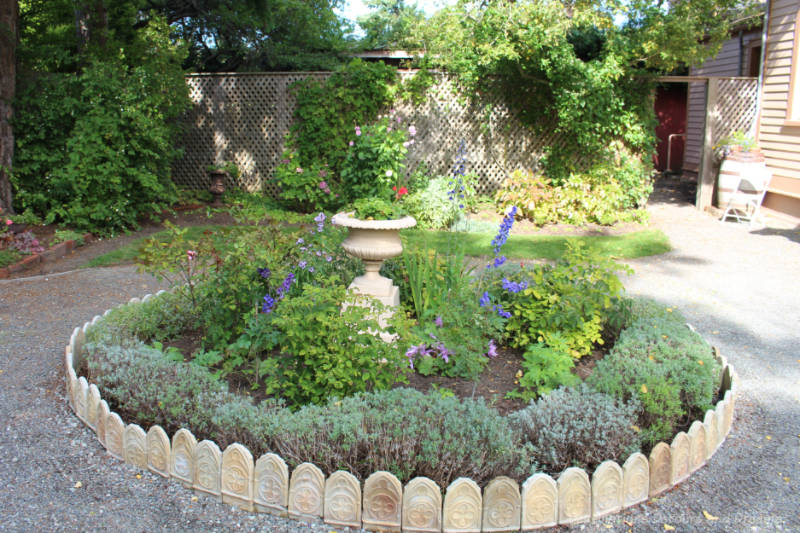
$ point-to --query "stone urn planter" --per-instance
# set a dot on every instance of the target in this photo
(374, 241)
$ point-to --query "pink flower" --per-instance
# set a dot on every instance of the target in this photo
(323, 185)
(191, 255)
(351, 143)
(412, 130)
(9, 222)
(358, 131)
(298, 170)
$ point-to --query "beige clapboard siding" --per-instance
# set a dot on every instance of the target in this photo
(779, 142)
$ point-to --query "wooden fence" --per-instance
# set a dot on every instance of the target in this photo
(245, 118)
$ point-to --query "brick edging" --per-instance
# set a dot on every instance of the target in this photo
(265, 485)
(51, 254)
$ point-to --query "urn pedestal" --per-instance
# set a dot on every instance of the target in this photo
(374, 241)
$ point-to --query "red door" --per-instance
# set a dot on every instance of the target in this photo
(670, 108)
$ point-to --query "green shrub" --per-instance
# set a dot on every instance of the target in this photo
(314, 347)
(405, 432)
(668, 368)
(578, 427)
(307, 188)
(545, 368)
(433, 207)
(326, 111)
(161, 317)
(572, 299)
(375, 159)
(94, 149)
(63, 235)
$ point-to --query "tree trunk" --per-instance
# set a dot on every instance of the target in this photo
(9, 15)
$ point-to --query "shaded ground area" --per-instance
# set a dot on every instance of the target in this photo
(737, 287)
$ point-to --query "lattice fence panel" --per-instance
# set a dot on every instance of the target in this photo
(245, 117)
(736, 109)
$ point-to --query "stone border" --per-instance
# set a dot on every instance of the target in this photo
(381, 503)
(51, 254)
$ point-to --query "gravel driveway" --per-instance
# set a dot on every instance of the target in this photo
(738, 288)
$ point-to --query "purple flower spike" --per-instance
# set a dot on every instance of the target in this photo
(269, 303)
(485, 300)
(264, 272)
(438, 321)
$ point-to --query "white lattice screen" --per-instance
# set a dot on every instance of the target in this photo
(245, 117)
(735, 110)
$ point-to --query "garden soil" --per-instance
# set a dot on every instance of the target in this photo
(737, 287)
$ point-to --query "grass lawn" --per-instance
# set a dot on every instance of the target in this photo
(627, 246)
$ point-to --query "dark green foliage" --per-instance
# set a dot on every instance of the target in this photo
(578, 427)
(93, 149)
(667, 367)
(326, 113)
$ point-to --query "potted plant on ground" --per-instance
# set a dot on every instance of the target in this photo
(743, 168)
(220, 173)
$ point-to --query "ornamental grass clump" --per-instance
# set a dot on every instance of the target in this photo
(578, 427)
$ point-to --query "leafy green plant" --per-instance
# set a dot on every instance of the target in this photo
(327, 111)
(105, 160)
(376, 158)
(545, 368)
(433, 207)
(9, 257)
(578, 427)
(323, 343)
(307, 188)
(62, 235)
(571, 299)
(229, 167)
(739, 139)
(376, 209)
(665, 366)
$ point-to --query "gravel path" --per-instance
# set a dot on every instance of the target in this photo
(738, 288)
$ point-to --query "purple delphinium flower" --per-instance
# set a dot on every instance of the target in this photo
(320, 220)
(269, 303)
(499, 309)
(514, 287)
(264, 272)
(302, 264)
(497, 262)
(502, 236)
(285, 286)
(485, 299)
(492, 353)
(438, 321)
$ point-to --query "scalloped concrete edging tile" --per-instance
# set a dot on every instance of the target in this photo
(265, 485)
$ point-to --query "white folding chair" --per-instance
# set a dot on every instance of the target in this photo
(745, 201)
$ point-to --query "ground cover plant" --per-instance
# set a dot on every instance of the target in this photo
(251, 345)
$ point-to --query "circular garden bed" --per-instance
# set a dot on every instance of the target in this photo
(521, 380)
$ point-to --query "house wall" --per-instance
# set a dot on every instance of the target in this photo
(778, 135)
(733, 54)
